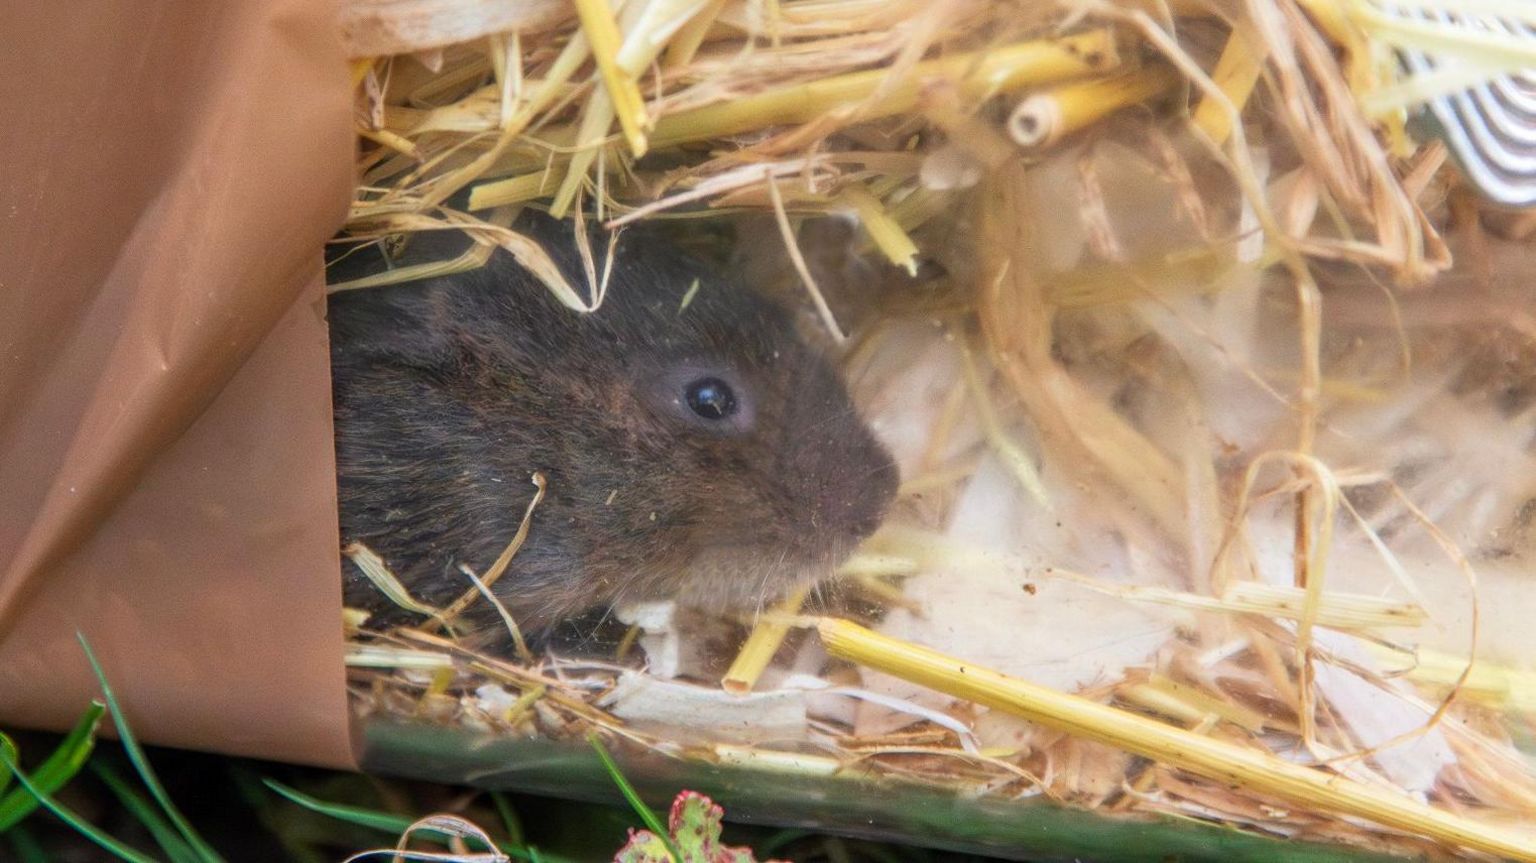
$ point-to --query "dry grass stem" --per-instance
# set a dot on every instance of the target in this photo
(1203, 756)
(758, 650)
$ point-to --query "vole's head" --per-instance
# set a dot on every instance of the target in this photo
(730, 448)
(695, 445)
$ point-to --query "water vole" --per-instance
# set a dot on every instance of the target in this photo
(699, 451)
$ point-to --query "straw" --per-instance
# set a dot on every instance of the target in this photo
(1233, 765)
(1078, 344)
(996, 71)
(1236, 73)
(499, 567)
(1045, 118)
(602, 31)
(758, 650)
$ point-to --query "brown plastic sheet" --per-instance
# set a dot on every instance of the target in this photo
(168, 174)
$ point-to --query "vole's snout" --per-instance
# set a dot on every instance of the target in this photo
(865, 520)
(861, 502)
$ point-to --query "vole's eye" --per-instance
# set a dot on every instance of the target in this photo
(711, 398)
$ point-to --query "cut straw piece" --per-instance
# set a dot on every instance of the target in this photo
(377, 572)
(681, 50)
(1232, 765)
(1043, 119)
(517, 709)
(399, 658)
(395, 142)
(781, 762)
(979, 74)
(1151, 698)
(597, 116)
(877, 565)
(602, 31)
(886, 593)
(766, 638)
(519, 643)
(1334, 610)
(787, 232)
(438, 682)
(719, 184)
(352, 621)
(885, 231)
(503, 560)
(512, 190)
(1242, 717)
(657, 24)
(1490, 683)
(1236, 73)
(506, 52)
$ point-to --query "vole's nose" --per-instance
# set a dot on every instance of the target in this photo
(865, 498)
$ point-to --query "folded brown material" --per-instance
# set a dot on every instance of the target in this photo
(170, 173)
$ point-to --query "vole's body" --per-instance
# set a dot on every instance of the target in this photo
(451, 392)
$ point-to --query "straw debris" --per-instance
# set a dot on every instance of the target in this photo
(1195, 366)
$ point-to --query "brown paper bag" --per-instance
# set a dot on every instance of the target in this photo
(168, 175)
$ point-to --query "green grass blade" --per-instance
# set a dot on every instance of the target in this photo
(387, 822)
(509, 820)
(652, 822)
(147, 775)
(164, 834)
(67, 815)
(56, 770)
(391, 823)
(271, 816)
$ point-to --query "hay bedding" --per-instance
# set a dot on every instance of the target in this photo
(1198, 420)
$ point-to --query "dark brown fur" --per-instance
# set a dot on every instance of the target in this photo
(450, 393)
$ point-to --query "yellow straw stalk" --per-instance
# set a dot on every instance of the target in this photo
(980, 74)
(1213, 759)
(1045, 118)
(602, 31)
(761, 645)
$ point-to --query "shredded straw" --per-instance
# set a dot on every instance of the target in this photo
(1165, 280)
